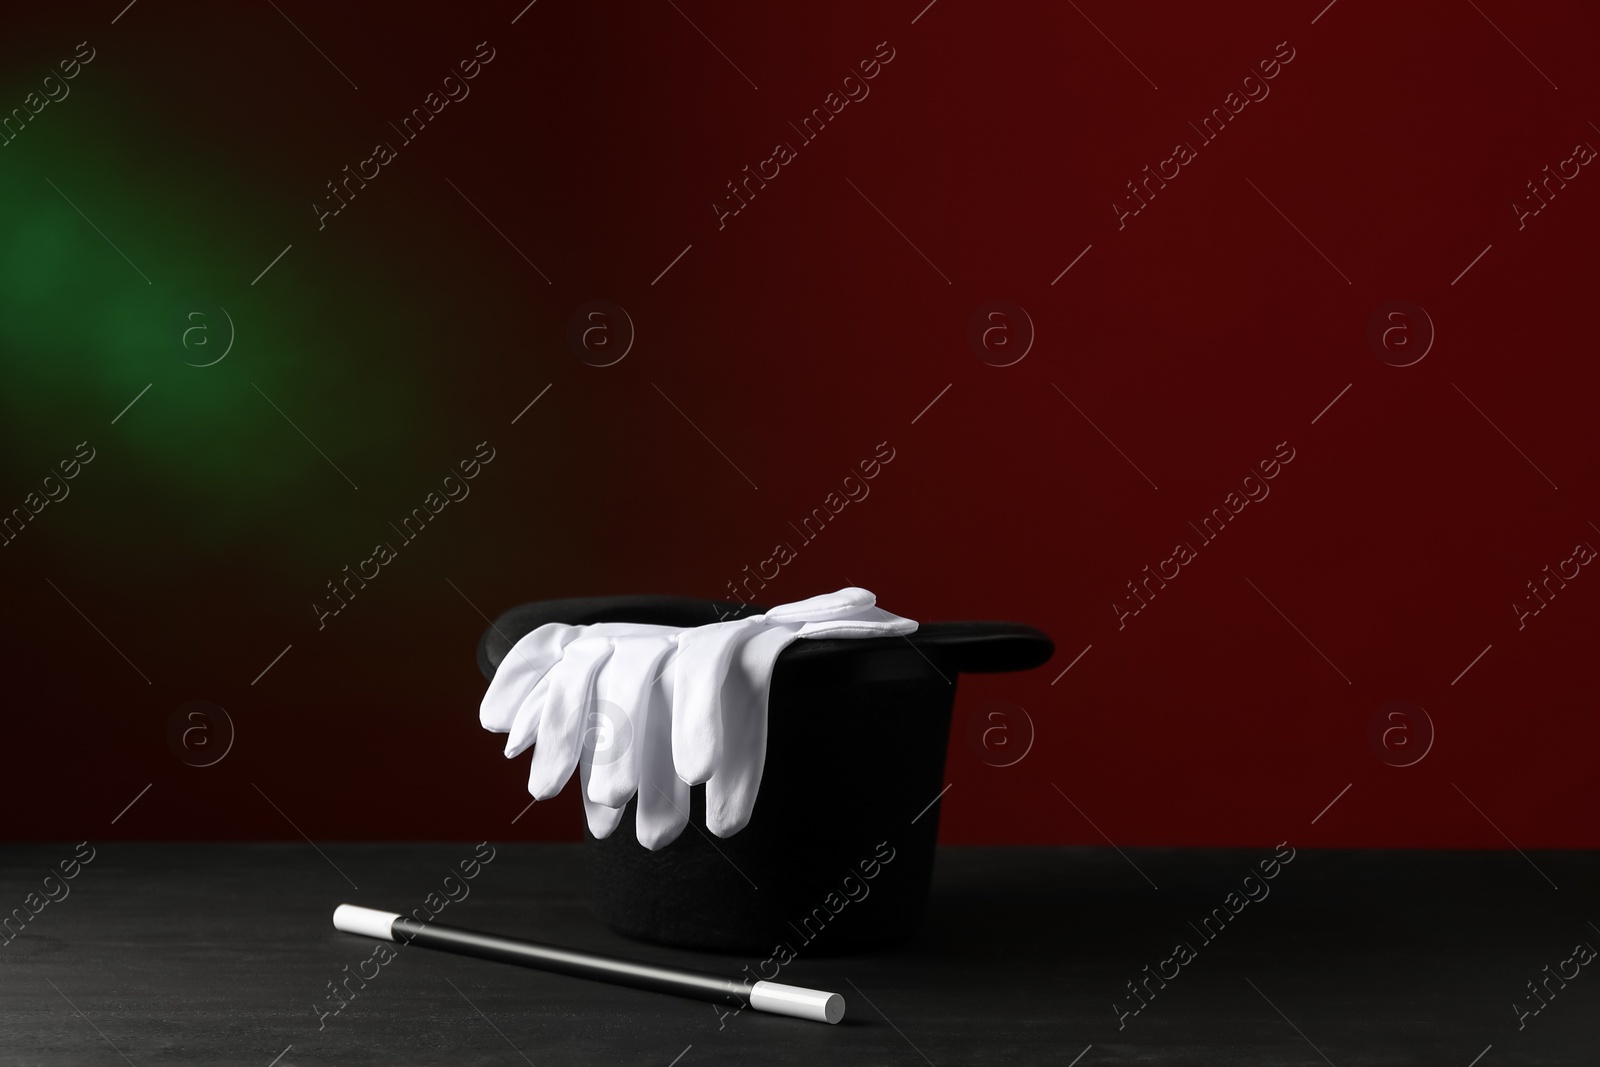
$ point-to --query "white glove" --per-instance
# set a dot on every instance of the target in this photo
(682, 706)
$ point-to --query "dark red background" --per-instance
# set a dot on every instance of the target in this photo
(1197, 338)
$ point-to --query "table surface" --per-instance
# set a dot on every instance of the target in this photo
(222, 954)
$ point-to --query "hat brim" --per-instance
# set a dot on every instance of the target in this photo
(970, 647)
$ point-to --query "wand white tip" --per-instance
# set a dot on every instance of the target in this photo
(802, 1003)
(368, 922)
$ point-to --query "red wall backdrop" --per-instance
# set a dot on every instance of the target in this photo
(1173, 349)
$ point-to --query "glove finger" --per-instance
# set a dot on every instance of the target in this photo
(731, 792)
(851, 600)
(702, 661)
(663, 809)
(602, 820)
(873, 622)
(570, 699)
(527, 662)
(525, 728)
(628, 691)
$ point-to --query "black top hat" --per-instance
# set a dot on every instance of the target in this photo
(841, 842)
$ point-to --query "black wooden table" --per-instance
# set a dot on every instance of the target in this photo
(224, 954)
